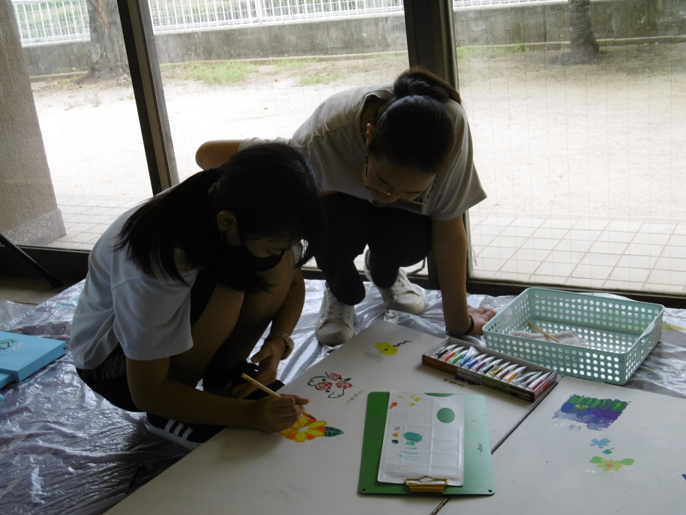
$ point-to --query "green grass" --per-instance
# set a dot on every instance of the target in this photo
(226, 72)
(308, 80)
(488, 51)
(294, 64)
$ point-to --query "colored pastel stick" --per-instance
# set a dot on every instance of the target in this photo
(497, 369)
(444, 350)
(451, 353)
(538, 382)
(469, 355)
(482, 364)
(490, 367)
(458, 356)
(509, 377)
(505, 371)
(525, 378)
(476, 360)
(531, 379)
(471, 360)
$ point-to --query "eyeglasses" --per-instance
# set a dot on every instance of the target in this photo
(397, 195)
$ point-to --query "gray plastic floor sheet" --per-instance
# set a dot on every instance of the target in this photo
(65, 450)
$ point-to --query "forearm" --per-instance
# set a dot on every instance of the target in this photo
(177, 401)
(213, 154)
(454, 293)
(450, 255)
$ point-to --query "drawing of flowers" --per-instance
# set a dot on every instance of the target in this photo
(304, 429)
(325, 383)
(608, 465)
(308, 429)
(600, 443)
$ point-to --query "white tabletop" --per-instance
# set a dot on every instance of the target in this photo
(555, 465)
(251, 472)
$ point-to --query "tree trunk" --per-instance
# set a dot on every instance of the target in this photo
(107, 51)
(583, 43)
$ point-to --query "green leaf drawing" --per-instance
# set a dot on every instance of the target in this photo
(627, 461)
(597, 459)
(332, 431)
(348, 379)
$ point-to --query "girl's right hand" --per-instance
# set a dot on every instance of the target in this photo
(274, 414)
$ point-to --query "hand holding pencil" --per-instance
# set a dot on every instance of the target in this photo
(298, 401)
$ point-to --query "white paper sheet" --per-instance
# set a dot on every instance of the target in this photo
(424, 436)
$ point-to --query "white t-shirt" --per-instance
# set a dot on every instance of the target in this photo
(149, 316)
(331, 140)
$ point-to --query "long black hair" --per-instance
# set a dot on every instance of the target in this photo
(413, 126)
(270, 189)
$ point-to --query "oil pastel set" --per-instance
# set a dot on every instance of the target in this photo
(478, 365)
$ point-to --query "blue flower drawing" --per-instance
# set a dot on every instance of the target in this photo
(600, 443)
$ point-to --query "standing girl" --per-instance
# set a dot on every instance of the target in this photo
(395, 163)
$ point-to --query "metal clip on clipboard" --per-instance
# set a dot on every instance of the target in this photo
(428, 484)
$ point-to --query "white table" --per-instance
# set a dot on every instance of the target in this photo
(545, 465)
(251, 472)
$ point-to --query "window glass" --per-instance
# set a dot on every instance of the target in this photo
(88, 132)
(577, 117)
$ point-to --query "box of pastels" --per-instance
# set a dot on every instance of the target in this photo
(576, 334)
(480, 366)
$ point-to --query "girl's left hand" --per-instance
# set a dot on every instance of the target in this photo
(481, 316)
(268, 358)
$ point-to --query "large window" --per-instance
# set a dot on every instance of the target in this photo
(88, 127)
(576, 111)
(579, 148)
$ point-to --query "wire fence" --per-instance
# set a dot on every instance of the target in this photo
(42, 21)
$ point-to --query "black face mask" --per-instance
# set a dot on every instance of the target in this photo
(246, 260)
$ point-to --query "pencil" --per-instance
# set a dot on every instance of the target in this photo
(550, 336)
(269, 391)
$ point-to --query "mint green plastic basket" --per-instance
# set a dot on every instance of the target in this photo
(619, 333)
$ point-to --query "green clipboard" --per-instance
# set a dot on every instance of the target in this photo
(478, 466)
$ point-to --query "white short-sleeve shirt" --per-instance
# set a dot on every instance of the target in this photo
(149, 316)
(331, 140)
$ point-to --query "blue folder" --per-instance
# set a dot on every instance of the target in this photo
(21, 356)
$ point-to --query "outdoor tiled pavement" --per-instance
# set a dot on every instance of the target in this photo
(620, 254)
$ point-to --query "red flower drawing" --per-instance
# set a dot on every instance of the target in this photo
(325, 383)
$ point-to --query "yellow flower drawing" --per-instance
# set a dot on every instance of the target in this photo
(305, 429)
(608, 465)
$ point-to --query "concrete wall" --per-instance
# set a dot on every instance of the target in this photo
(507, 25)
(336, 37)
(28, 210)
(545, 23)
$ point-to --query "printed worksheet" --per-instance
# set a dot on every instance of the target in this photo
(424, 436)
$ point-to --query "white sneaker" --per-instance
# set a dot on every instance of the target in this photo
(402, 296)
(336, 322)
